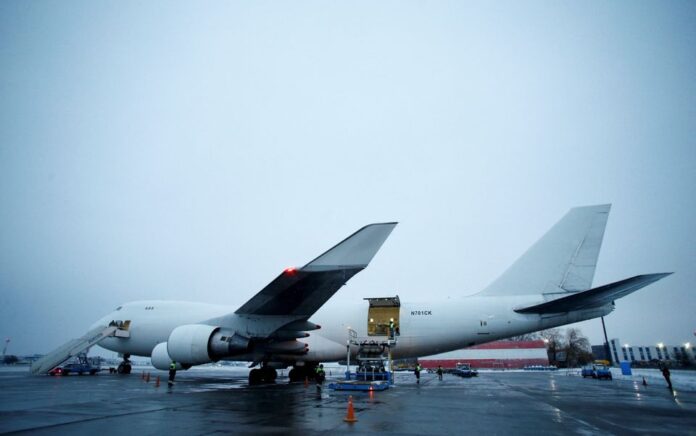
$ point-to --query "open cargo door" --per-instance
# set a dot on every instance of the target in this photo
(381, 312)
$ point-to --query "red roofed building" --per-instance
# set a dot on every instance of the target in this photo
(495, 355)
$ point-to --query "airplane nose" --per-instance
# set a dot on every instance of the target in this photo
(102, 322)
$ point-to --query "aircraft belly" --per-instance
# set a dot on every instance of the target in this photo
(322, 349)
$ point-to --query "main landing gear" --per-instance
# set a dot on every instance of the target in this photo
(265, 374)
(125, 366)
(300, 373)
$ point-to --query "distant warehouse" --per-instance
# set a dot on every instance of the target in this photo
(494, 355)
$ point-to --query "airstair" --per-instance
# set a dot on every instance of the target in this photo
(75, 347)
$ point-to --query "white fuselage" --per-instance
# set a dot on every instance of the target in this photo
(425, 328)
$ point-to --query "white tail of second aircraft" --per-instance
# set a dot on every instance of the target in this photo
(563, 261)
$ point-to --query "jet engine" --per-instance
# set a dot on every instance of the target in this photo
(160, 358)
(195, 344)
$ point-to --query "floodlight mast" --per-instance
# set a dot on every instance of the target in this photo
(606, 344)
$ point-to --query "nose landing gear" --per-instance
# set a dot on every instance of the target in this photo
(125, 366)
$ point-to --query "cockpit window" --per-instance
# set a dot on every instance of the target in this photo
(119, 307)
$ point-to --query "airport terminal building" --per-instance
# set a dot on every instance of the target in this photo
(646, 353)
(494, 355)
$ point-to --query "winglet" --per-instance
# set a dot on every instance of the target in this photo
(357, 250)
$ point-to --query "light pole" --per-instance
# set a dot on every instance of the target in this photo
(661, 347)
(606, 344)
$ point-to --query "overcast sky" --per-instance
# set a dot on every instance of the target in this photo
(191, 151)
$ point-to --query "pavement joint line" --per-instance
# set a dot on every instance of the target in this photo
(94, 418)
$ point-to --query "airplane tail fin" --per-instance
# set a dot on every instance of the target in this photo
(563, 261)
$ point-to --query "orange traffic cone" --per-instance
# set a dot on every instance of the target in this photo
(142, 377)
(157, 382)
(147, 378)
(644, 382)
(350, 416)
(306, 381)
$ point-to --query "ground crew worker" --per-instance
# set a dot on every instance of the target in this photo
(666, 375)
(391, 328)
(172, 373)
(320, 375)
(439, 372)
(417, 372)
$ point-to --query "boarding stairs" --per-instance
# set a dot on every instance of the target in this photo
(74, 347)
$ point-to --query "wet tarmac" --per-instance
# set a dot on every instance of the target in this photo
(215, 400)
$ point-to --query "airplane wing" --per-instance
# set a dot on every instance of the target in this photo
(595, 297)
(301, 292)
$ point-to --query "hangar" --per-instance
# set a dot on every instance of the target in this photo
(493, 355)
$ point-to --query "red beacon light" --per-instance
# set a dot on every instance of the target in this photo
(290, 270)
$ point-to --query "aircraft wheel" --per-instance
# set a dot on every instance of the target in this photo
(255, 377)
(292, 375)
(124, 368)
(66, 372)
(268, 375)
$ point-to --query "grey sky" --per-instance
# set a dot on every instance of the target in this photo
(160, 150)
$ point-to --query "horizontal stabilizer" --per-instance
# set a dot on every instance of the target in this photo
(595, 297)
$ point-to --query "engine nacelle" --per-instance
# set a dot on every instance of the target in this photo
(160, 358)
(189, 343)
(195, 344)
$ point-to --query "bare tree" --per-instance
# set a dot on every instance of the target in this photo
(570, 349)
(577, 347)
(554, 343)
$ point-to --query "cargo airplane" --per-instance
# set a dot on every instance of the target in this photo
(289, 323)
